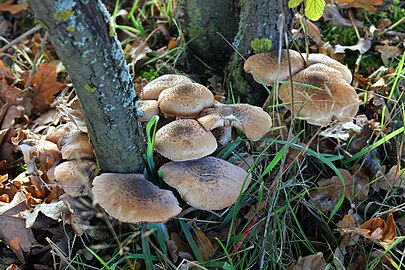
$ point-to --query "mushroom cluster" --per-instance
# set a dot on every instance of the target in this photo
(322, 90)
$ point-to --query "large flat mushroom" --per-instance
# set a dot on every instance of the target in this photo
(208, 183)
(153, 89)
(332, 98)
(131, 198)
(253, 121)
(266, 67)
(184, 139)
(185, 100)
(319, 58)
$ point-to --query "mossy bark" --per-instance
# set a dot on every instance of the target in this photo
(204, 19)
(85, 42)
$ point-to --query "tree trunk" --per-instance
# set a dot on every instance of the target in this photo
(204, 19)
(85, 42)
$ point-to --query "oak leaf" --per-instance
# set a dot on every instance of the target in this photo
(8, 6)
(368, 5)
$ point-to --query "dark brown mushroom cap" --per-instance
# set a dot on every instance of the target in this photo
(335, 99)
(153, 89)
(253, 121)
(148, 108)
(184, 139)
(319, 58)
(208, 183)
(185, 100)
(266, 67)
(131, 198)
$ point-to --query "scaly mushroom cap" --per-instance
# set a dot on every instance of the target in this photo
(131, 198)
(251, 120)
(76, 146)
(74, 175)
(148, 108)
(319, 58)
(208, 183)
(266, 67)
(185, 100)
(335, 99)
(153, 89)
(184, 139)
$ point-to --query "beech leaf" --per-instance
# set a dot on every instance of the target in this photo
(314, 9)
(294, 3)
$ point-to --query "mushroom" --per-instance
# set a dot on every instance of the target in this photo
(319, 58)
(266, 68)
(208, 183)
(153, 89)
(61, 132)
(131, 198)
(335, 98)
(184, 139)
(147, 109)
(253, 121)
(76, 146)
(74, 175)
(185, 100)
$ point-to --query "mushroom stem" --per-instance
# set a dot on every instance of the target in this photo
(226, 135)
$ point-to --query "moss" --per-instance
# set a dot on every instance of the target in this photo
(260, 45)
(339, 35)
(63, 16)
(41, 23)
(89, 88)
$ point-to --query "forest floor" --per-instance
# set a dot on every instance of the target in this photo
(331, 197)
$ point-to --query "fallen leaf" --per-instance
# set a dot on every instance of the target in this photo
(341, 131)
(203, 244)
(363, 45)
(326, 196)
(309, 262)
(368, 5)
(5, 72)
(394, 178)
(46, 86)
(53, 210)
(331, 13)
(8, 6)
(388, 52)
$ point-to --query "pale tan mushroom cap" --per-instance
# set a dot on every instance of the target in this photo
(148, 108)
(266, 67)
(319, 58)
(153, 89)
(336, 100)
(185, 100)
(184, 139)
(74, 175)
(253, 121)
(208, 183)
(131, 198)
(76, 146)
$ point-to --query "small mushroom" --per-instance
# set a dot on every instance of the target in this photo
(208, 183)
(185, 100)
(152, 90)
(61, 132)
(184, 139)
(253, 121)
(131, 198)
(76, 146)
(335, 98)
(73, 176)
(319, 58)
(266, 67)
(147, 109)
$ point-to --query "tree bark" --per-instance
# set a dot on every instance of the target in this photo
(204, 19)
(85, 42)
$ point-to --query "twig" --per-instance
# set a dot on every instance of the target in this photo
(29, 32)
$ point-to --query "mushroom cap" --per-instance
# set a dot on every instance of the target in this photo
(148, 108)
(74, 175)
(152, 89)
(184, 139)
(319, 58)
(335, 99)
(253, 121)
(61, 132)
(208, 183)
(185, 100)
(76, 146)
(266, 66)
(131, 198)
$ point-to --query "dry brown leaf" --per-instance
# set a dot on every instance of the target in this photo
(138, 51)
(363, 45)
(203, 244)
(394, 178)
(368, 5)
(309, 262)
(9, 6)
(52, 210)
(330, 190)
(46, 86)
(5, 72)
(331, 13)
(388, 52)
